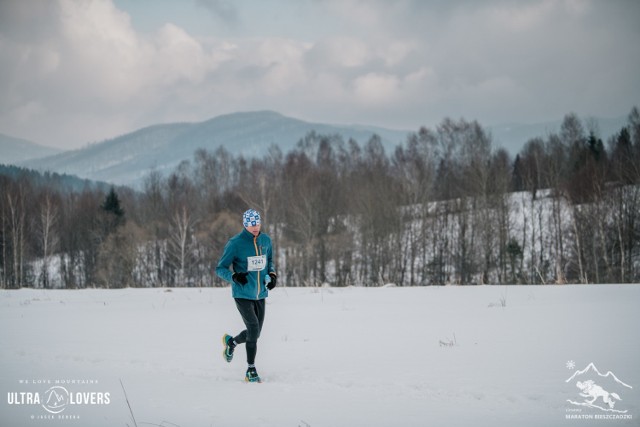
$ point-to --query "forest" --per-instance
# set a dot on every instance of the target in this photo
(444, 208)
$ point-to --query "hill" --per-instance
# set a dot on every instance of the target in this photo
(128, 158)
(14, 150)
(61, 182)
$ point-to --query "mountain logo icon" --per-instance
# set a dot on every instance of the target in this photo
(597, 389)
(56, 399)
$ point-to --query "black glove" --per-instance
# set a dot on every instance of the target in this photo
(274, 280)
(240, 278)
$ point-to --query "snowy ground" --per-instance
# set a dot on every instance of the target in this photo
(436, 356)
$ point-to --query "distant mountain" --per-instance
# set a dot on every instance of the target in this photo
(125, 160)
(14, 150)
(60, 182)
(128, 158)
(514, 136)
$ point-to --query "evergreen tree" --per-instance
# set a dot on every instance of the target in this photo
(112, 204)
(517, 182)
(596, 147)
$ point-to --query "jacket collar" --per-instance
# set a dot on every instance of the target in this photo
(245, 233)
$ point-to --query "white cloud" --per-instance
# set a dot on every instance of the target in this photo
(376, 88)
(79, 71)
(578, 7)
(26, 112)
(395, 52)
(178, 56)
(95, 61)
(521, 17)
(358, 12)
(339, 52)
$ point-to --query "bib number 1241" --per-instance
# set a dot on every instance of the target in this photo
(256, 263)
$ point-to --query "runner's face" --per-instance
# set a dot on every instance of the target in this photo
(254, 229)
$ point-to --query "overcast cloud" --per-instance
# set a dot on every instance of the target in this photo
(73, 72)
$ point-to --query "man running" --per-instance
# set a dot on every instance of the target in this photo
(247, 263)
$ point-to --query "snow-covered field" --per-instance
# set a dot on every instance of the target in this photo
(435, 356)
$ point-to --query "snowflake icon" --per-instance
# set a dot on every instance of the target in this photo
(571, 364)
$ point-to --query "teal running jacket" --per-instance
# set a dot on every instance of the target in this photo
(244, 252)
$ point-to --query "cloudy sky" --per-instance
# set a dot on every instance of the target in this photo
(80, 71)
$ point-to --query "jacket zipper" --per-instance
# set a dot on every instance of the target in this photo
(255, 245)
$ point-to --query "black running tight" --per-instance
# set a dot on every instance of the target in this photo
(252, 313)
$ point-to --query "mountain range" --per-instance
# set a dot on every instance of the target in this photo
(126, 159)
(15, 150)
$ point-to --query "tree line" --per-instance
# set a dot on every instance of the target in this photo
(445, 207)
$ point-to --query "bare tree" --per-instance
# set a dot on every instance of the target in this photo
(47, 228)
(556, 165)
(181, 243)
(15, 199)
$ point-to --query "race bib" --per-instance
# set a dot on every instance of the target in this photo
(256, 263)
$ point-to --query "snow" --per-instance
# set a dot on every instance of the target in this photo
(390, 356)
